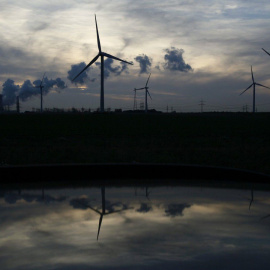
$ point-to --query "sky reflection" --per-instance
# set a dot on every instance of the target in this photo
(168, 227)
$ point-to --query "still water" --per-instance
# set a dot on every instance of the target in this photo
(135, 228)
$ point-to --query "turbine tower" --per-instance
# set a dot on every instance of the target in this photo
(266, 51)
(100, 54)
(135, 101)
(41, 86)
(146, 93)
(253, 84)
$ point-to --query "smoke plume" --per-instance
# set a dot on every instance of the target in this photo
(174, 60)
(9, 92)
(75, 70)
(145, 63)
(108, 68)
(28, 89)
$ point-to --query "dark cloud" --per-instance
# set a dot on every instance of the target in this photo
(144, 208)
(109, 68)
(75, 70)
(174, 60)
(79, 203)
(12, 198)
(28, 90)
(9, 92)
(60, 83)
(176, 209)
(145, 63)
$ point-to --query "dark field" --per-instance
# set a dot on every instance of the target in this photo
(237, 140)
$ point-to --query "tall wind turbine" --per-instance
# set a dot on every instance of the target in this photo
(266, 51)
(41, 86)
(146, 93)
(253, 84)
(100, 54)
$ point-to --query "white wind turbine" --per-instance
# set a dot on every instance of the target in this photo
(101, 54)
(253, 84)
(146, 93)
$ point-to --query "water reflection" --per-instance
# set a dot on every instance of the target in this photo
(110, 207)
(178, 227)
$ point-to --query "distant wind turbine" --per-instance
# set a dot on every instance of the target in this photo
(41, 86)
(253, 84)
(100, 54)
(266, 51)
(146, 93)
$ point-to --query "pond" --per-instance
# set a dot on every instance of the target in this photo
(153, 227)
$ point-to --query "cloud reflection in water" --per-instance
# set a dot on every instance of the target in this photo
(177, 227)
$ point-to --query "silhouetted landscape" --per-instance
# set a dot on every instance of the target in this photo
(236, 140)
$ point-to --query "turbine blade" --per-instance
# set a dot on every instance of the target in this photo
(116, 58)
(99, 225)
(149, 94)
(93, 209)
(262, 85)
(265, 51)
(93, 61)
(98, 40)
(246, 90)
(252, 75)
(148, 80)
(42, 78)
(86, 205)
(139, 88)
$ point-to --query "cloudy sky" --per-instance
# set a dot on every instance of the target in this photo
(195, 50)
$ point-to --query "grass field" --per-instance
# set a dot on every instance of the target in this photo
(237, 140)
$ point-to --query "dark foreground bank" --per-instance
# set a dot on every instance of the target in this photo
(124, 175)
(234, 140)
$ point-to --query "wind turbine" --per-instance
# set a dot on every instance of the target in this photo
(146, 93)
(103, 212)
(100, 54)
(253, 84)
(41, 94)
(266, 51)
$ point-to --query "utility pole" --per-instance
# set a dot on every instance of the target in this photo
(245, 108)
(202, 104)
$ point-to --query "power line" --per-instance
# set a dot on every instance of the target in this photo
(202, 104)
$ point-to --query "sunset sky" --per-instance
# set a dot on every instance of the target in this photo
(195, 50)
